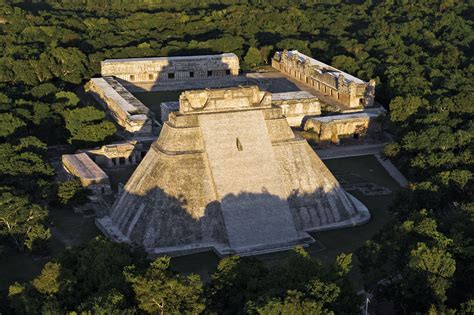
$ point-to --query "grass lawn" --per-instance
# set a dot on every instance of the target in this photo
(152, 100)
(356, 169)
(70, 229)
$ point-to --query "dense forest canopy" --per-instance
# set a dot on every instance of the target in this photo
(419, 53)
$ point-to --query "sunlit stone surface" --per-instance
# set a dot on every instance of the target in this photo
(228, 174)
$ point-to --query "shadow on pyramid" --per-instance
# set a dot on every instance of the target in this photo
(228, 174)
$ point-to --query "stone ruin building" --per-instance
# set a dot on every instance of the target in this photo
(92, 177)
(228, 174)
(120, 76)
(296, 106)
(118, 154)
(159, 69)
(340, 86)
(330, 128)
(126, 110)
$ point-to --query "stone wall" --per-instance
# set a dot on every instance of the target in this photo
(168, 69)
(125, 108)
(332, 128)
(118, 154)
(297, 106)
(91, 176)
(342, 87)
(241, 160)
(223, 99)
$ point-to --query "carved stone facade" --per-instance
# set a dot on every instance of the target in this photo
(125, 108)
(91, 176)
(228, 174)
(340, 86)
(118, 154)
(223, 99)
(297, 106)
(165, 69)
(332, 128)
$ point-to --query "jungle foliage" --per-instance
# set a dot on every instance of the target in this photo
(108, 278)
(419, 53)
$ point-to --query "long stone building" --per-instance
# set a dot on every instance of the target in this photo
(332, 128)
(228, 174)
(157, 69)
(340, 86)
(89, 173)
(115, 155)
(126, 109)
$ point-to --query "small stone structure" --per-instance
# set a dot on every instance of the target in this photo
(340, 86)
(296, 106)
(125, 108)
(118, 154)
(228, 174)
(91, 176)
(172, 68)
(332, 128)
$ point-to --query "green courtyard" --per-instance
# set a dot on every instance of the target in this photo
(153, 99)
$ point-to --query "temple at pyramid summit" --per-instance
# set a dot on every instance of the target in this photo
(228, 174)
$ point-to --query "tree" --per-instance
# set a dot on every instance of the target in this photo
(22, 221)
(84, 279)
(403, 108)
(158, 291)
(253, 57)
(87, 125)
(22, 299)
(68, 64)
(345, 63)
(72, 193)
(298, 284)
(43, 90)
(24, 73)
(9, 124)
(21, 160)
(48, 282)
(68, 98)
(430, 270)
(294, 303)
(411, 264)
(292, 43)
(236, 282)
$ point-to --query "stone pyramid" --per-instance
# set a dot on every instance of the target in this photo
(228, 174)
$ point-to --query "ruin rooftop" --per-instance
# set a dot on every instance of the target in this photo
(151, 59)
